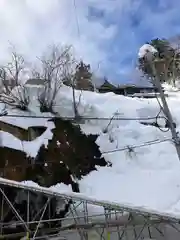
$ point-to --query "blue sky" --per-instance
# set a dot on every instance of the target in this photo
(111, 31)
(136, 24)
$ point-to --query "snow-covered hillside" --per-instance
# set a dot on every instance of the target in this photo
(147, 175)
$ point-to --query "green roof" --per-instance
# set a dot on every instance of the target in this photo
(107, 85)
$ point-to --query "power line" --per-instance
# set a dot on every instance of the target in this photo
(83, 118)
(149, 143)
(77, 21)
(165, 108)
(161, 110)
(153, 142)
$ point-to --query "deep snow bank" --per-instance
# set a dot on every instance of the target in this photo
(149, 175)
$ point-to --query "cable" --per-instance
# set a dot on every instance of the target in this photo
(157, 125)
(83, 118)
(130, 148)
(158, 115)
(156, 141)
(77, 21)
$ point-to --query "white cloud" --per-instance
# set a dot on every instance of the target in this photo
(32, 25)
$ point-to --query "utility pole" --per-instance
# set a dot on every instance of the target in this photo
(167, 112)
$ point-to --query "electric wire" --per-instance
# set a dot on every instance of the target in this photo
(83, 117)
(149, 143)
(77, 20)
(129, 148)
(158, 116)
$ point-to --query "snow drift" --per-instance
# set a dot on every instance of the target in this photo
(147, 175)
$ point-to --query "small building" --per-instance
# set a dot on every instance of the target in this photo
(131, 90)
(107, 87)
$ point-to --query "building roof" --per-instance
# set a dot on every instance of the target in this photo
(135, 86)
(108, 85)
(36, 81)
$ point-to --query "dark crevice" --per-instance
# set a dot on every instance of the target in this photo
(69, 156)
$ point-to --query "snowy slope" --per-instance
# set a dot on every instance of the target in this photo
(149, 176)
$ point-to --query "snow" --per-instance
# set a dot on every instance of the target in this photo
(31, 148)
(145, 49)
(147, 177)
(28, 120)
(61, 187)
(97, 204)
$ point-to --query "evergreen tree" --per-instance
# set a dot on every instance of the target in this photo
(83, 77)
(167, 61)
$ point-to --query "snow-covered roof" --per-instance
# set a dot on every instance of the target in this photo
(24, 120)
(31, 148)
(145, 49)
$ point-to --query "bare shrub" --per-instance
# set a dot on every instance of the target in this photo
(11, 77)
(52, 69)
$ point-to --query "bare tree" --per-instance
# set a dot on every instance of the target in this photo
(11, 72)
(70, 79)
(15, 67)
(54, 64)
(78, 77)
(10, 77)
(167, 61)
(58, 67)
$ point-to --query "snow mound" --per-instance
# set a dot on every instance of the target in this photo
(147, 175)
(146, 48)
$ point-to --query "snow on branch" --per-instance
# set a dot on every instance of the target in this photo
(145, 49)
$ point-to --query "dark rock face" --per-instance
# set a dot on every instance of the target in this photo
(70, 155)
(13, 164)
